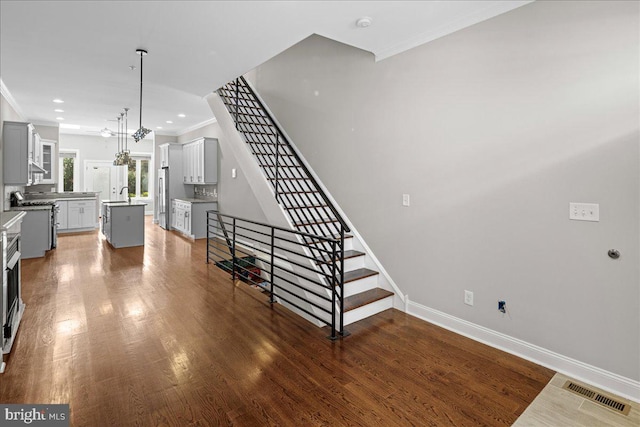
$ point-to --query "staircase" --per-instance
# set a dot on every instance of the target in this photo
(305, 203)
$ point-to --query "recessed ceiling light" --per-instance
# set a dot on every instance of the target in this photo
(57, 110)
(364, 22)
(169, 121)
(182, 115)
(158, 127)
(59, 118)
(58, 101)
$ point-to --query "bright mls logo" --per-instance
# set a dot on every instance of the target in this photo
(37, 415)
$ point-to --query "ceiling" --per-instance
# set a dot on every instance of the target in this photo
(81, 51)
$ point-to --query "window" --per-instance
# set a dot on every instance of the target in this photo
(138, 177)
(68, 171)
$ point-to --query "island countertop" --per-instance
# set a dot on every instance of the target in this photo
(123, 204)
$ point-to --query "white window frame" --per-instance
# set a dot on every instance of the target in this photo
(137, 157)
(76, 168)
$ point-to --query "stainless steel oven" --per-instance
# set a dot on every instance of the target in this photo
(11, 288)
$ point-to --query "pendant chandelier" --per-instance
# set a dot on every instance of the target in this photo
(123, 156)
(142, 131)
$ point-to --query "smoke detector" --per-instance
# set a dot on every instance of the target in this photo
(363, 22)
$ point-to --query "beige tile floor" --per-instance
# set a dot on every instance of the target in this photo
(558, 407)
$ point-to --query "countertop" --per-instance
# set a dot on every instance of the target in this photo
(31, 208)
(123, 205)
(9, 219)
(196, 200)
(61, 196)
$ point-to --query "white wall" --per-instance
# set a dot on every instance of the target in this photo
(492, 130)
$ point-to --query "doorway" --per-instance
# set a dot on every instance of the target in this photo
(103, 177)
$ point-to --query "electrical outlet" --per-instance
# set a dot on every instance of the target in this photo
(502, 306)
(468, 297)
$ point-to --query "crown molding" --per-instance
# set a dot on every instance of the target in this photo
(196, 126)
(11, 100)
(492, 10)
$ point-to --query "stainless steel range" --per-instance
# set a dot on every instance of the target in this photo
(18, 201)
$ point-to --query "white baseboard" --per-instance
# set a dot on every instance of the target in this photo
(614, 383)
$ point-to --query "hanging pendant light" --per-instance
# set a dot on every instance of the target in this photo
(126, 158)
(116, 161)
(142, 131)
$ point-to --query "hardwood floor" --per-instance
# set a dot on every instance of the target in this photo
(155, 336)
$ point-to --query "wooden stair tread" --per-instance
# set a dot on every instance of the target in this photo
(306, 207)
(363, 298)
(297, 192)
(280, 166)
(347, 255)
(360, 273)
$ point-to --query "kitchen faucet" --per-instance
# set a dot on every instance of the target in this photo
(122, 189)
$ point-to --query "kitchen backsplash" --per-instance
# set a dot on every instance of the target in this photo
(8, 189)
(206, 192)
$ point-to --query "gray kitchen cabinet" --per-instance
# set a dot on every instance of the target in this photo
(63, 222)
(22, 154)
(200, 161)
(123, 224)
(36, 233)
(173, 215)
(17, 143)
(49, 162)
(191, 217)
(81, 214)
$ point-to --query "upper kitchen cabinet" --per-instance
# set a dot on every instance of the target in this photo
(22, 154)
(200, 161)
(17, 150)
(171, 156)
(49, 162)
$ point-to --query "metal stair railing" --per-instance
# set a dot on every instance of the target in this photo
(295, 188)
(279, 264)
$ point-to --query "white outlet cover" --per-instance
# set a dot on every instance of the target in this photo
(468, 297)
(584, 212)
(406, 200)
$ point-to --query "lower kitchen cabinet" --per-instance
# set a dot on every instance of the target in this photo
(77, 215)
(63, 222)
(36, 233)
(191, 218)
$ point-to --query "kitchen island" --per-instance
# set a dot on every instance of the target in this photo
(123, 223)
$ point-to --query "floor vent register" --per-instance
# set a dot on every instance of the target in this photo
(598, 397)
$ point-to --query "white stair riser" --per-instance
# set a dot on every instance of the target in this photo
(330, 229)
(368, 310)
(354, 263)
(357, 286)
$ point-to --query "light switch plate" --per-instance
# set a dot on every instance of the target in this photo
(584, 211)
(234, 173)
(406, 200)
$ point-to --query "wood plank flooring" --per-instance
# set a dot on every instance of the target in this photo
(154, 336)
